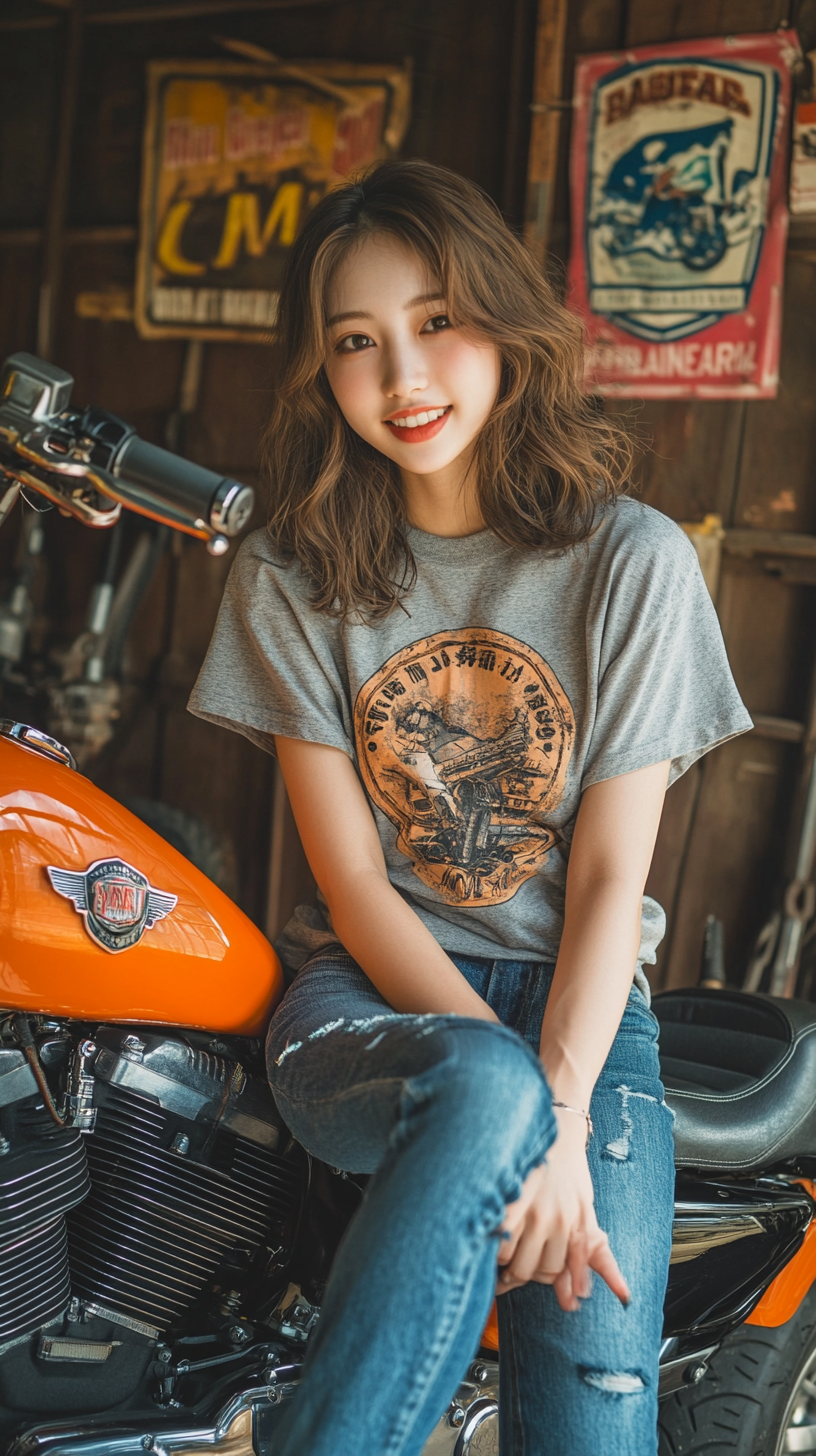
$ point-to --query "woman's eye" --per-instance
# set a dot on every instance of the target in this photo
(436, 324)
(353, 343)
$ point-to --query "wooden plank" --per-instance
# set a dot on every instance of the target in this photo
(242, 374)
(33, 22)
(547, 107)
(600, 25)
(32, 237)
(689, 453)
(786, 730)
(779, 471)
(60, 182)
(651, 21)
(749, 544)
(19, 298)
(196, 9)
(733, 854)
(29, 67)
(518, 117)
(665, 875)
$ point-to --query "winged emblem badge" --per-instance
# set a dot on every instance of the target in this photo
(117, 902)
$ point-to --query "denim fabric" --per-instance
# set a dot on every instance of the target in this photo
(450, 1115)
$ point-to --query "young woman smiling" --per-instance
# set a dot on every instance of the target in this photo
(480, 664)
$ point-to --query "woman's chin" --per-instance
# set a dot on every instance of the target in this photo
(423, 458)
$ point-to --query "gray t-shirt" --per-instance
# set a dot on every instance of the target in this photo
(478, 715)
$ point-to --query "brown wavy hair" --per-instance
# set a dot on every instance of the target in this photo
(546, 461)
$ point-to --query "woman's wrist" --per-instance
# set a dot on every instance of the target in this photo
(573, 1121)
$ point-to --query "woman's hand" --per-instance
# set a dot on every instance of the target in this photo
(553, 1234)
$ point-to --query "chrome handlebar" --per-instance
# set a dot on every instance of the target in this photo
(90, 463)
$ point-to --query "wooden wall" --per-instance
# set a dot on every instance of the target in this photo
(472, 62)
(723, 833)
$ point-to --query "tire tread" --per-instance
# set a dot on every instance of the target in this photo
(737, 1407)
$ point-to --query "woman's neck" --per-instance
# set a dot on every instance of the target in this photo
(444, 503)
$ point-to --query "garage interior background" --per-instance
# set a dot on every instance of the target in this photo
(69, 198)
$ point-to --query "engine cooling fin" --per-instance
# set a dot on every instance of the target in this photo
(43, 1174)
(157, 1222)
(34, 1280)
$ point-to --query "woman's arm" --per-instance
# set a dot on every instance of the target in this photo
(376, 926)
(612, 848)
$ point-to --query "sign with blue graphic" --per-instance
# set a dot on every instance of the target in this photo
(679, 215)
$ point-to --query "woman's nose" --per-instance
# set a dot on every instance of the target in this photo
(405, 371)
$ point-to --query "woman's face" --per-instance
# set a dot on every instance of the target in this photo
(407, 381)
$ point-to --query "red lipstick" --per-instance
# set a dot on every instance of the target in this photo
(416, 435)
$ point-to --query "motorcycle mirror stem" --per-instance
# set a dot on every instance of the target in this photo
(712, 961)
(89, 463)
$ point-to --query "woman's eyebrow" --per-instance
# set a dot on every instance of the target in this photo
(359, 313)
(339, 318)
(425, 298)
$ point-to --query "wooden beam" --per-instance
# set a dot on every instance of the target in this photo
(784, 730)
(548, 106)
(747, 542)
(60, 181)
(192, 9)
(80, 237)
(517, 126)
(21, 237)
(34, 22)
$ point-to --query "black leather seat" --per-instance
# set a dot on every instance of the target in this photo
(740, 1076)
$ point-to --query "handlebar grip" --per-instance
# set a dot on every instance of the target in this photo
(157, 478)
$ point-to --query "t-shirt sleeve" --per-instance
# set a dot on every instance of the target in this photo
(665, 688)
(269, 668)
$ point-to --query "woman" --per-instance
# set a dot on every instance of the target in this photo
(480, 665)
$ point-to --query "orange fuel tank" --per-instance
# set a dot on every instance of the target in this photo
(203, 965)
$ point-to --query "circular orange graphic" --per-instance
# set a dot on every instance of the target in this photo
(463, 741)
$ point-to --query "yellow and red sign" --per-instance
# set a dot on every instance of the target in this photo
(236, 154)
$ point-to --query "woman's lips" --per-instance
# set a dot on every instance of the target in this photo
(419, 433)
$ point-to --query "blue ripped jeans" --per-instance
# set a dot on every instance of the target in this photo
(450, 1115)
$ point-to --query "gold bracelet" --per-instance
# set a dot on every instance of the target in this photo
(579, 1112)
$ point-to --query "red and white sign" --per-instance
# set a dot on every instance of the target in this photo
(679, 216)
(803, 159)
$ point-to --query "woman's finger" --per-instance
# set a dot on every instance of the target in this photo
(541, 1253)
(508, 1243)
(516, 1212)
(578, 1264)
(603, 1261)
(564, 1291)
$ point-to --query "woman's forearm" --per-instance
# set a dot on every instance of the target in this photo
(612, 848)
(593, 978)
(397, 952)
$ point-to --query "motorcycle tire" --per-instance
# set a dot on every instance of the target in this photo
(754, 1398)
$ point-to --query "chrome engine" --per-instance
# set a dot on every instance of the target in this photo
(185, 1170)
(150, 1203)
(147, 1192)
(43, 1174)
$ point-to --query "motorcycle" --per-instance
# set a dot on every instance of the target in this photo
(164, 1241)
(669, 196)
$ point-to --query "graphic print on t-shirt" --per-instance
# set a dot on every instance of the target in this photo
(463, 741)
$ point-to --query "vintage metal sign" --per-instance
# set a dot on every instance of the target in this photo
(235, 155)
(803, 159)
(679, 215)
(117, 902)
